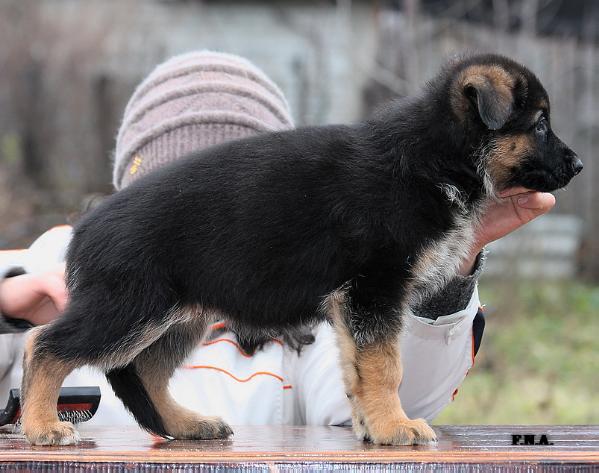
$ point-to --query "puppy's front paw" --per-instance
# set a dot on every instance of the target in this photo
(402, 432)
(52, 433)
(205, 428)
(360, 429)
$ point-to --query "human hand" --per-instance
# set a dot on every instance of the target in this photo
(515, 207)
(37, 298)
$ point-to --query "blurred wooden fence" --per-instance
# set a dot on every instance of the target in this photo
(546, 248)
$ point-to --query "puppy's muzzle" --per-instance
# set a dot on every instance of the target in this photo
(572, 166)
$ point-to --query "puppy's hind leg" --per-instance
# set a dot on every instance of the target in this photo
(43, 374)
(80, 336)
(154, 367)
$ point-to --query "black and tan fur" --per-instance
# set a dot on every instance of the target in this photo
(354, 223)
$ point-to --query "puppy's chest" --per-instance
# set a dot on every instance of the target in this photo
(439, 261)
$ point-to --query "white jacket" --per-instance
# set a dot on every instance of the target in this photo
(275, 386)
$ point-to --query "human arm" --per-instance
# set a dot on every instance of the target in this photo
(34, 298)
(29, 285)
(35, 291)
(9, 268)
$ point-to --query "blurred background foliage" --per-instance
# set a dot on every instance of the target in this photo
(67, 68)
(539, 360)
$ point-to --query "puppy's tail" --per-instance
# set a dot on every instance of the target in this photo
(127, 385)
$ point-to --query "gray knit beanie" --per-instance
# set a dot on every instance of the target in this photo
(190, 102)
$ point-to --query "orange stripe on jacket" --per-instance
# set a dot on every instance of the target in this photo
(241, 380)
(218, 326)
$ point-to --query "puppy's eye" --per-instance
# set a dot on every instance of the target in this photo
(541, 126)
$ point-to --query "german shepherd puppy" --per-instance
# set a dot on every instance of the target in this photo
(350, 223)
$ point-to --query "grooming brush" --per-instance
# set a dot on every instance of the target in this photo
(74, 405)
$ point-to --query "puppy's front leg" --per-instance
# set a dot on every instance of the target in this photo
(372, 370)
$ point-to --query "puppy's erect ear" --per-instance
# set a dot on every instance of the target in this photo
(489, 89)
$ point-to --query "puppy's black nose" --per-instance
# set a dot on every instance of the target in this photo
(577, 165)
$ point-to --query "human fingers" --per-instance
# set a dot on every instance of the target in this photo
(539, 201)
(530, 206)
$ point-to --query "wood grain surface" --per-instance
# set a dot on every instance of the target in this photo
(465, 446)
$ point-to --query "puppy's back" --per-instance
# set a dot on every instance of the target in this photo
(259, 228)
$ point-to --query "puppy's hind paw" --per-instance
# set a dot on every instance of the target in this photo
(206, 428)
(54, 433)
(404, 432)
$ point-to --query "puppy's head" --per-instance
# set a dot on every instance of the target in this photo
(505, 111)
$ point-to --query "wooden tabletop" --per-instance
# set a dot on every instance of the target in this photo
(287, 447)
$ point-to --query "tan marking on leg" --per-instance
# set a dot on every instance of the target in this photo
(347, 349)
(155, 368)
(42, 378)
(28, 349)
(380, 372)
(180, 422)
(372, 375)
(347, 345)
